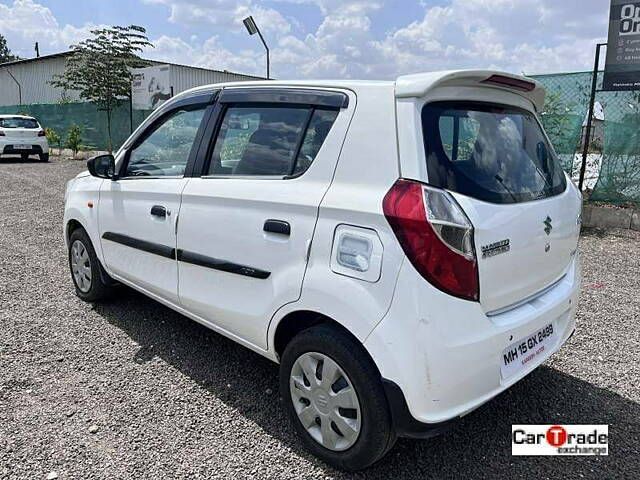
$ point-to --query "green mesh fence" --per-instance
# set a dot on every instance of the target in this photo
(60, 117)
(613, 161)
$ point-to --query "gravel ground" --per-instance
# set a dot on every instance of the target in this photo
(133, 390)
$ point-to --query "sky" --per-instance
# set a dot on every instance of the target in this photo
(375, 39)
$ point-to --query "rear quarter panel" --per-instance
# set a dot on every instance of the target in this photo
(367, 168)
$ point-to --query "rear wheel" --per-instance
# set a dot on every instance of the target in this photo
(44, 157)
(91, 281)
(334, 398)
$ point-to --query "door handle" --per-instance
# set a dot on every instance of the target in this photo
(277, 226)
(160, 211)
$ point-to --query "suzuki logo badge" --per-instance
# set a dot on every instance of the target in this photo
(547, 225)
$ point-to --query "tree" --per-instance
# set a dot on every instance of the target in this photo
(556, 116)
(5, 53)
(52, 137)
(74, 139)
(99, 68)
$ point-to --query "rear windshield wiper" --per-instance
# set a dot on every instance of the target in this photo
(499, 179)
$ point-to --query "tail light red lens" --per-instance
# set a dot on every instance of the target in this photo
(436, 236)
(41, 133)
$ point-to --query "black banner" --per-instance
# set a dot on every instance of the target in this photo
(622, 69)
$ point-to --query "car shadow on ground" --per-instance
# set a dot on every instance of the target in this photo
(480, 444)
(4, 159)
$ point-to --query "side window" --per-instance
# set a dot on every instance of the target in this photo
(166, 150)
(265, 140)
(319, 127)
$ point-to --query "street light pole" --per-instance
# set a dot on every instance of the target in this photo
(267, 49)
(252, 28)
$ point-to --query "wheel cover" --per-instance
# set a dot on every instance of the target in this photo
(325, 401)
(81, 266)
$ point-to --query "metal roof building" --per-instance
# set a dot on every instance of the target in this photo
(24, 82)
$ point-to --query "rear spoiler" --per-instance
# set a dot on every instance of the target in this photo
(419, 84)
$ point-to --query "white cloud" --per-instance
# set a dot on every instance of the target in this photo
(525, 35)
(210, 54)
(348, 7)
(533, 36)
(26, 21)
(226, 14)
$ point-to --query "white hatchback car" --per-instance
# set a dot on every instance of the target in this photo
(23, 135)
(406, 250)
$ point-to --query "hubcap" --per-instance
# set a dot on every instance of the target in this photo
(81, 266)
(325, 401)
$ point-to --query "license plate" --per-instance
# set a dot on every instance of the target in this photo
(523, 353)
(22, 146)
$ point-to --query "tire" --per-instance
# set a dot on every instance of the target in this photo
(92, 283)
(44, 157)
(376, 435)
(24, 157)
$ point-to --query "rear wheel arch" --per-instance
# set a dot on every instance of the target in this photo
(295, 322)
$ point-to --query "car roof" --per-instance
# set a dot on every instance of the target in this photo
(4, 115)
(345, 84)
(414, 85)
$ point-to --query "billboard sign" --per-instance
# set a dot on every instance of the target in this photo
(151, 87)
(622, 69)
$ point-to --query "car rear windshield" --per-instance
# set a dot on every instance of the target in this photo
(18, 122)
(494, 153)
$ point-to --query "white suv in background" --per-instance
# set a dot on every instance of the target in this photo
(406, 250)
(23, 135)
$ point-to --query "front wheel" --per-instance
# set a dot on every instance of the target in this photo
(91, 281)
(44, 157)
(334, 398)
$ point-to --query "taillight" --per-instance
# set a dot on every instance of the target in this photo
(436, 236)
(41, 133)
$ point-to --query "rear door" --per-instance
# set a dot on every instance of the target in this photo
(500, 167)
(246, 224)
(138, 210)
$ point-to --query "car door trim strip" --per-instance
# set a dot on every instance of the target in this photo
(145, 246)
(223, 265)
(185, 256)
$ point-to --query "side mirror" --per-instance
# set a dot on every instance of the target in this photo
(102, 166)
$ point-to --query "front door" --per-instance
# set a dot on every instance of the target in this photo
(138, 210)
(247, 223)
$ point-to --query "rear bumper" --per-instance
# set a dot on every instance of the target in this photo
(34, 150)
(404, 423)
(444, 353)
(37, 146)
